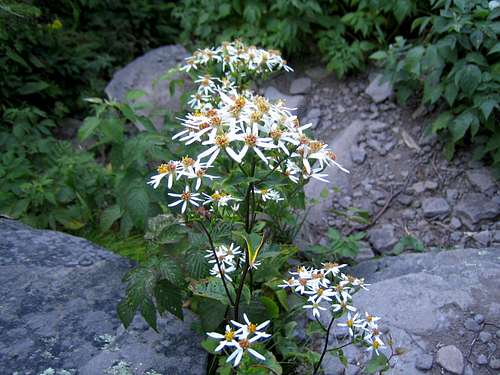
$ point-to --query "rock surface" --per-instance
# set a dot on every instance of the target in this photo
(378, 89)
(58, 297)
(143, 74)
(424, 299)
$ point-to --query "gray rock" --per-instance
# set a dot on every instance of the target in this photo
(378, 89)
(340, 108)
(468, 370)
(377, 126)
(475, 207)
(300, 86)
(422, 186)
(455, 223)
(472, 325)
(483, 237)
(405, 199)
(318, 72)
(498, 333)
(58, 313)
(451, 359)
(382, 239)
(482, 360)
(479, 318)
(481, 179)
(495, 363)
(297, 102)
(435, 206)
(358, 154)
(451, 195)
(142, 73)
(496, 236)
(424, 362)
(485, 337)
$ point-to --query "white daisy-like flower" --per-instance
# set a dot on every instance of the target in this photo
(318, 294)
(227, 339)
(375, 345)
(224, 270)
(269, 195)
(220, 142)
(316, 308)
(332, 268)
(352, 323)
(252, 141)
(342, 305)
(250, 328)
(185, 198)
(241, 346)
(167, 169)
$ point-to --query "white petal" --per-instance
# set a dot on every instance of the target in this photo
(256, 354)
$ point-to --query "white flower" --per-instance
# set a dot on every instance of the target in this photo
(352, 323)
(375, 345)
(224, 269)
(333, 268)
(318, 294)
(220, 142)
(242, 346)
(315, 306)
(253, 141)
(169, 169)
(224, 254)
(185, 198)
(250, 328)
(493, 4)
(269, 194)
(227, 339)
(221, 199)
(342, 304)
(207, 85)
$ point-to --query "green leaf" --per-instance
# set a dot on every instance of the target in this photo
(148, 312)
(376, 363)
(476, 38)
(442, 121)
(196, 264)
(33, 87)
(407, 242)
(138, 204)
(87, 129)
(136, 94)
(212, 288)
(109, 216)
(112, 130)
(168, 298)
(379, 55)
(469, 77)
(272, 308)
(486, 106)
(126, 310)
(209, 345)
(494, 49)
(450, 93)
(459, 126)
(211, 313)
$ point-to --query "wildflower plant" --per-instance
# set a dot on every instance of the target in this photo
(245, 160)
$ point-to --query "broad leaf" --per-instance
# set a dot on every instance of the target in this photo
(168, 298)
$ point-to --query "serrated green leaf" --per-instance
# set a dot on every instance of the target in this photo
(148, 312)
(138, 204)
(212, 288)
(126, 311)
(197, 265)
(458, 127)
(168, 298)
(211, 313)
(441, 122)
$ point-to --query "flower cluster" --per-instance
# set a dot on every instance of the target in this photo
(328, 288)
(227, 259)
(240, 338)
(237, 57)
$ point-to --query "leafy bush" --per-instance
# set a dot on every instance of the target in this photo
(44, 181)
(54, 53)
(455, 65)
(343, 31)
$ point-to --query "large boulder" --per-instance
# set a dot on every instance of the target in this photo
(58, 297)
(143, 74)
(434, 304)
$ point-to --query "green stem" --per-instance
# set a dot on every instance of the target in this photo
(212, 247)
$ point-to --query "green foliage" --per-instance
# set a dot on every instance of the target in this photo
(408, 243)
(339, 247)
(344, 31)
(44, 181)
(454, 64)
(52, 55)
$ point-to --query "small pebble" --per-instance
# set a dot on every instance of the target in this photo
(424, 362)
(485, 337)
(481, 359)
(495, 363)
(472, 325)
(479, 318)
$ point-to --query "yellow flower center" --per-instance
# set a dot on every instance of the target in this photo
(350, 323)
(262, 104)
(320, 291)
(252, 328)
(167, 168)
(251, 140)
(276, 134)
(200, 172)
(256, 116)
(229, 335)
(315, 146)
(215, 121)
(221, 140)
(187, 161)
(186, 196)
(375, 344)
